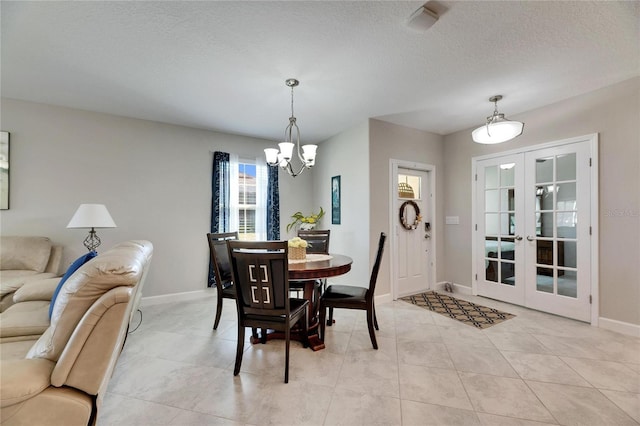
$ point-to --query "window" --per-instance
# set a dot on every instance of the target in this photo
(248, 192)
(247, 201)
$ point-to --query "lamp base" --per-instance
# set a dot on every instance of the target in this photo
(92, 241)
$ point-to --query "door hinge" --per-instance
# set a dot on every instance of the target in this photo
(590, 299)
(589, 161)
(476, 177)
(476, 277)
(590, 231)
(476, 226)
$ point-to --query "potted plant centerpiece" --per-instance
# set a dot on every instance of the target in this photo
(305, 222)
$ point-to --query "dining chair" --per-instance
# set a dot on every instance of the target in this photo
(351, 297)
(221, 268)
(318, 239)
(260, 271)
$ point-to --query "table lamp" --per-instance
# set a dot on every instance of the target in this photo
(92, 216)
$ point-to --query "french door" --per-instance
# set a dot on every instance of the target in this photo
(534, 229)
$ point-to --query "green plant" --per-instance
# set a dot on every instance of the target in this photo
(299, 218)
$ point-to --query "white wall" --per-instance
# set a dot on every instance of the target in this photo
(401, 143)
(153, 177)
(346, 155)
(613, 113)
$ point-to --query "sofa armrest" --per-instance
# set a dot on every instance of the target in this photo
(23, 379)
(36, 290)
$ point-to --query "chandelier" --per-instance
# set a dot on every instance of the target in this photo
(284, 156)
(498, 128)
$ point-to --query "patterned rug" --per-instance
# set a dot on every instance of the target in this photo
(469, 313)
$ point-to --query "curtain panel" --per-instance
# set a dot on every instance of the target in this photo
(220, 200)
(273, 204)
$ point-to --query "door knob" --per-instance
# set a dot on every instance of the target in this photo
(530, 238)
(518, 238)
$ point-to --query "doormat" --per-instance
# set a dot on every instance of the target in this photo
(469, 313)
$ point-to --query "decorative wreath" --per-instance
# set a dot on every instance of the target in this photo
(403, 215)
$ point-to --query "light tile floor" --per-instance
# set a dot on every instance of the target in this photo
(535, 369)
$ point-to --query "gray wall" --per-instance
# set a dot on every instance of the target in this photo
(346, 155)
(614, 114)
(154, 178)
(390, 141)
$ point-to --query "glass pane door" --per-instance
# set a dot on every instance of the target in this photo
(558, 273)
(498, 191)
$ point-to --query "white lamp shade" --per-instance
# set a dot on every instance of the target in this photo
(272, 155)
(309, 154)
(500, 131)
(286, 148)
(91, 216)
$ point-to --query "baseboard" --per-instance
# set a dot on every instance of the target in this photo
(384, 298)
(176, 297)
(619, 326)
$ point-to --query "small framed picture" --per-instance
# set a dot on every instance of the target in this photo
(335, 200)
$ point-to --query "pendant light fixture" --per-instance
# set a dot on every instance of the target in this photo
(284, 156)
(498, 128)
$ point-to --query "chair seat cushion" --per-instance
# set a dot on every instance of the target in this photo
(336, 292)
(295, 306)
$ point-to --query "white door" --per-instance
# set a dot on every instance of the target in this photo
(558, 226)
(533, 229)
(414, 242)
(500, 205)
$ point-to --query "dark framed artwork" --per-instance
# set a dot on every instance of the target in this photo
(4, 170)
(335, 200)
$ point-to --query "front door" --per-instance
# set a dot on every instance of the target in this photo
(414, 233)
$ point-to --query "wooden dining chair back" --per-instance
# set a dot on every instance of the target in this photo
(318, 240)
(351, 297)
(221, 269)
(260, 271)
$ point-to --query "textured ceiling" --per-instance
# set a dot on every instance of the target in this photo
(222, 65)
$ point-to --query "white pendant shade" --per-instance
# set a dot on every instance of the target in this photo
(286, 148)
(498, 132)
(498, 128)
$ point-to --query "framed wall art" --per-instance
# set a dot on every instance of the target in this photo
(335, 200)
(4, 170)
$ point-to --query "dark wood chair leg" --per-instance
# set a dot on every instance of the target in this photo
(372, 333)
(287, 336)
(218, 312)
(375, 317)
(305, 342)
(322, 322)
(330, 320)
(239, 350)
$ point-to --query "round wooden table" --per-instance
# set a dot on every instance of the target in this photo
(338, 264)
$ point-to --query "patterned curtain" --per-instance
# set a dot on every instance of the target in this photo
(273, 205)
(220, 200)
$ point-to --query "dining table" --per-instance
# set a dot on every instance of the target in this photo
(308, 271)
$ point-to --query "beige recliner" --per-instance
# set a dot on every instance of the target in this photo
(63, 377)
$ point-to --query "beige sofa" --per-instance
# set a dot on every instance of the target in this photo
(63, 376)
(23, 260)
